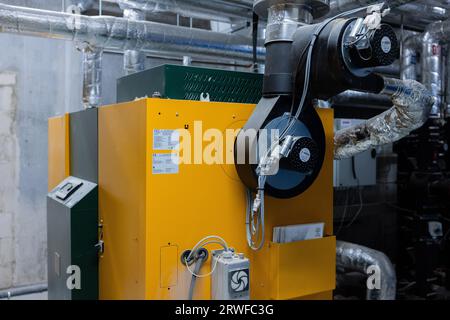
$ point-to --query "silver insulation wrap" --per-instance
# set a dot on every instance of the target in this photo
(92, 76)
(432, 61)
(447, 90)
(359, 258)
(339, 6)
(120, 34)
(215, 10)
(133, 60)
(410, 57)
(412, 104)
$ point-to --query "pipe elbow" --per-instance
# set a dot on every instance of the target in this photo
(368, 261)
(412, 104)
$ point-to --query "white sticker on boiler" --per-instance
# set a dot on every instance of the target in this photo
(164, 139)
(165, 163)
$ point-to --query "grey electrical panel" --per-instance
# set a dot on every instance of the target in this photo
(360, 170)
(231, 277)
(72, 223)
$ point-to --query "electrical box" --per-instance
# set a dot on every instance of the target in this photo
(72, 224)
(360, 170)
(190, 83)
(231, 276)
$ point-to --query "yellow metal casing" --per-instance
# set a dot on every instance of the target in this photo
(58, 150)
(150, 219)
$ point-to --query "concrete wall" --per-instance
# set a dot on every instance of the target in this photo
(39, 78)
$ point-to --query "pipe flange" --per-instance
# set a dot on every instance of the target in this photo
(319, 8)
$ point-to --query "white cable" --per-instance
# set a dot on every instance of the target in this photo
(196, 247)
(207, 274)
(249, 219)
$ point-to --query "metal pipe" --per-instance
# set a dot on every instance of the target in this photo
(410, 57)
(92, 76)
(432, 61)
(122, 34)
(83, 5)
(447, 86)
(360, 99)
(200, 9)
(412, 104)
(420, 11)
(133, 60)
(423, 11)
(355, 257)
(283, 21)
(20, 291)
(392, 70)
(339, 6)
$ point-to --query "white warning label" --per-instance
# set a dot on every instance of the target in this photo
(165, 163)
(165, 139)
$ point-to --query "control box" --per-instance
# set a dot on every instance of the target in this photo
(360, 170)
(231, 276)
(72, 224)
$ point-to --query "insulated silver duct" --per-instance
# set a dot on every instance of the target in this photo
(359, 258)
(410, 57)
(412, 103)
(120, 34)
(200, 9)
(133, 60)
(447, 89)
(432, 61)
(421, 11)
(92, 76)
(84, 5)
(415, 12)
(339, 6)
(360, 99)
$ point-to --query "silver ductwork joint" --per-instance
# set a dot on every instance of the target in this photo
(134, 60)
(412, 104)
(92, 76)
(359, 258)
(283, 20)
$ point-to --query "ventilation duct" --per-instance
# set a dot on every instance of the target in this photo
(120, 34)
(412, 103)
(432, 61)
(362, 259)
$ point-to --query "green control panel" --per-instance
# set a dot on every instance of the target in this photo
(191, 83)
